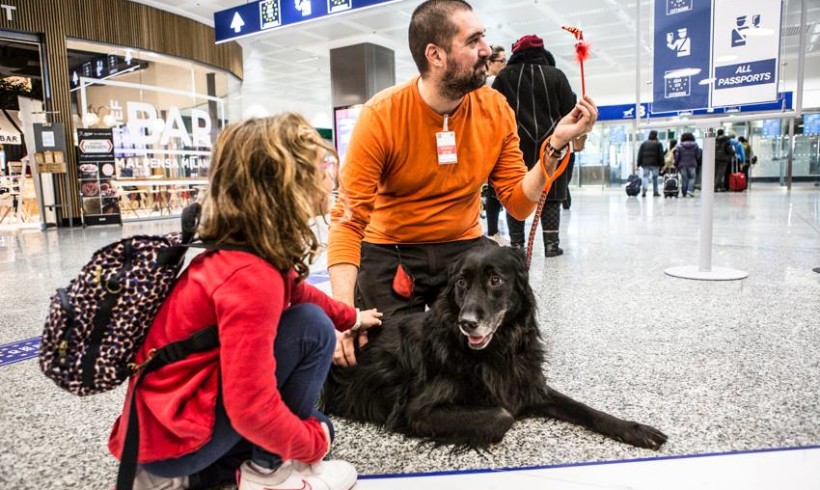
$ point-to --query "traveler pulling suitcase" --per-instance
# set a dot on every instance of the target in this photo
(671, 184)
(633, 185)
(737, 180)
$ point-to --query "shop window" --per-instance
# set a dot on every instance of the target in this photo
(163, 113)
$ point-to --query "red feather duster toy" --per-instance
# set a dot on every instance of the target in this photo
(581, 52)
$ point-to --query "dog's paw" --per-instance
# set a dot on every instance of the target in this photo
(641, 435)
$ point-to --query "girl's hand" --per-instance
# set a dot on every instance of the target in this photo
(326, 430)
(370, 318)
(344, 354)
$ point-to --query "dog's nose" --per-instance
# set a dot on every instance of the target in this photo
(467, 324)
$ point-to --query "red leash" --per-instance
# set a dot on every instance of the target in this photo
(534, 228)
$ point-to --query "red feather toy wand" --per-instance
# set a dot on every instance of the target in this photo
(581, 52)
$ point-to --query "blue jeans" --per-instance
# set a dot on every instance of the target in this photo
(653, 172)
(303, 350)
(688, 177)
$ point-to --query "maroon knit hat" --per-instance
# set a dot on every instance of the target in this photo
(527, 42)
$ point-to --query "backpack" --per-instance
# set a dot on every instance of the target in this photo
(96, 325)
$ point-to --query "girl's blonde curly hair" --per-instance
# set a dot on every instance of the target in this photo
(265, 186)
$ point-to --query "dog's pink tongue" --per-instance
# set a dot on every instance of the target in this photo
(475, 340)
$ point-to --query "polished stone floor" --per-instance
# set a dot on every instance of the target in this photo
(720, 367)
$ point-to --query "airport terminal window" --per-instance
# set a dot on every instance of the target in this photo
(164, 114)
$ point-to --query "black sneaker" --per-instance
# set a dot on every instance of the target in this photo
(553, 251)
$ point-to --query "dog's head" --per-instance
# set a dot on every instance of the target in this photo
(489, 288)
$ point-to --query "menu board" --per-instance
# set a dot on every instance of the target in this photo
(95, 166)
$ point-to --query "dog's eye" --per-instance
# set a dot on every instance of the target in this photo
(495, 280)
(461, 283)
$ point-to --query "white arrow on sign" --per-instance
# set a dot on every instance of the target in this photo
(237, 23)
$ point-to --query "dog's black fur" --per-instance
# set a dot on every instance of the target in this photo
(421, 377)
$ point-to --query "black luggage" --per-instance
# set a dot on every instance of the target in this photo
(671, 184)
(633, 185)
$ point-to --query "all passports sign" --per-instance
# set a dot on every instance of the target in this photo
(264, 15)
(746, 43)
(730, 61)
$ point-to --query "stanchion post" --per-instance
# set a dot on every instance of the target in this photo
(704, 270)
(707, 201)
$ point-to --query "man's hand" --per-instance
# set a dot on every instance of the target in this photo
(344, 355)
(578, 122)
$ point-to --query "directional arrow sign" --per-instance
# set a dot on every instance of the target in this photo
(237, 23)
(264, 15)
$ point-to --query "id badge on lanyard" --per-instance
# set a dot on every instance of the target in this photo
(446, 145)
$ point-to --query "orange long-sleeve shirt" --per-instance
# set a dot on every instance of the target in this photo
(397, 192)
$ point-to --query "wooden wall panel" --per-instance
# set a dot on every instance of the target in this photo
(115, 22)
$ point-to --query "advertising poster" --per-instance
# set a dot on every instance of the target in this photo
(682, 54)
(345, 120)
(746, 44)
(99, 199)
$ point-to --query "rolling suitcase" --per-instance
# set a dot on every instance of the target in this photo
(671, 185)
(633, 185)
(737, 180)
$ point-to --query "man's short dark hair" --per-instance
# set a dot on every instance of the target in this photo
(431, 23)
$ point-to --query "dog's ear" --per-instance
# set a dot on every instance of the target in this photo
(522, 277)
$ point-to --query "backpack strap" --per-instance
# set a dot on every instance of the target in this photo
(201, 341)
(113, 287)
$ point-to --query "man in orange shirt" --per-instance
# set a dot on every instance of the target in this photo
(416, 162)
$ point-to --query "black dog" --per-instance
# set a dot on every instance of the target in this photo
(464, 371)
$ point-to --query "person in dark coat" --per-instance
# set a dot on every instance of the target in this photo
(650, 158)
(495, 63)
(539, 94)
(724, 153)
(687, 160)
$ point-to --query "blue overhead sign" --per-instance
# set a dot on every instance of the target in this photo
(682, 51)
(626, 112)
(264, 15)
(621, 111)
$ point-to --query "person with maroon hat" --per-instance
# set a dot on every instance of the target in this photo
(540, 95)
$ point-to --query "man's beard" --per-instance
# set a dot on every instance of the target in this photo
(456, 85)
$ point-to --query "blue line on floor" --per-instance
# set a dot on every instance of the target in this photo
(24, 350)
(588, 463)
(19, 351)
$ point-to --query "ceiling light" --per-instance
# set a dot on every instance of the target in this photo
(759, 32)
(683, 72)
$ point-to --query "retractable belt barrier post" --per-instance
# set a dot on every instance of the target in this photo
(704, 270)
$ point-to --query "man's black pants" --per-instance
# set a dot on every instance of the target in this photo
(428, 264)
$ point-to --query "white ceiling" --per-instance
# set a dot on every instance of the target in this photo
(289, 68)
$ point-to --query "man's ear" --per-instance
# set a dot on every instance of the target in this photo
(436, 57)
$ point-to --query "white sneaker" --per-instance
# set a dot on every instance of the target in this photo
(147, 481)
(294, 475)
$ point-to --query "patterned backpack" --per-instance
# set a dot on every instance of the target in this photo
(97, 324)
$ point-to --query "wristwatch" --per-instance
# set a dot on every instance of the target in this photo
(556, 152)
